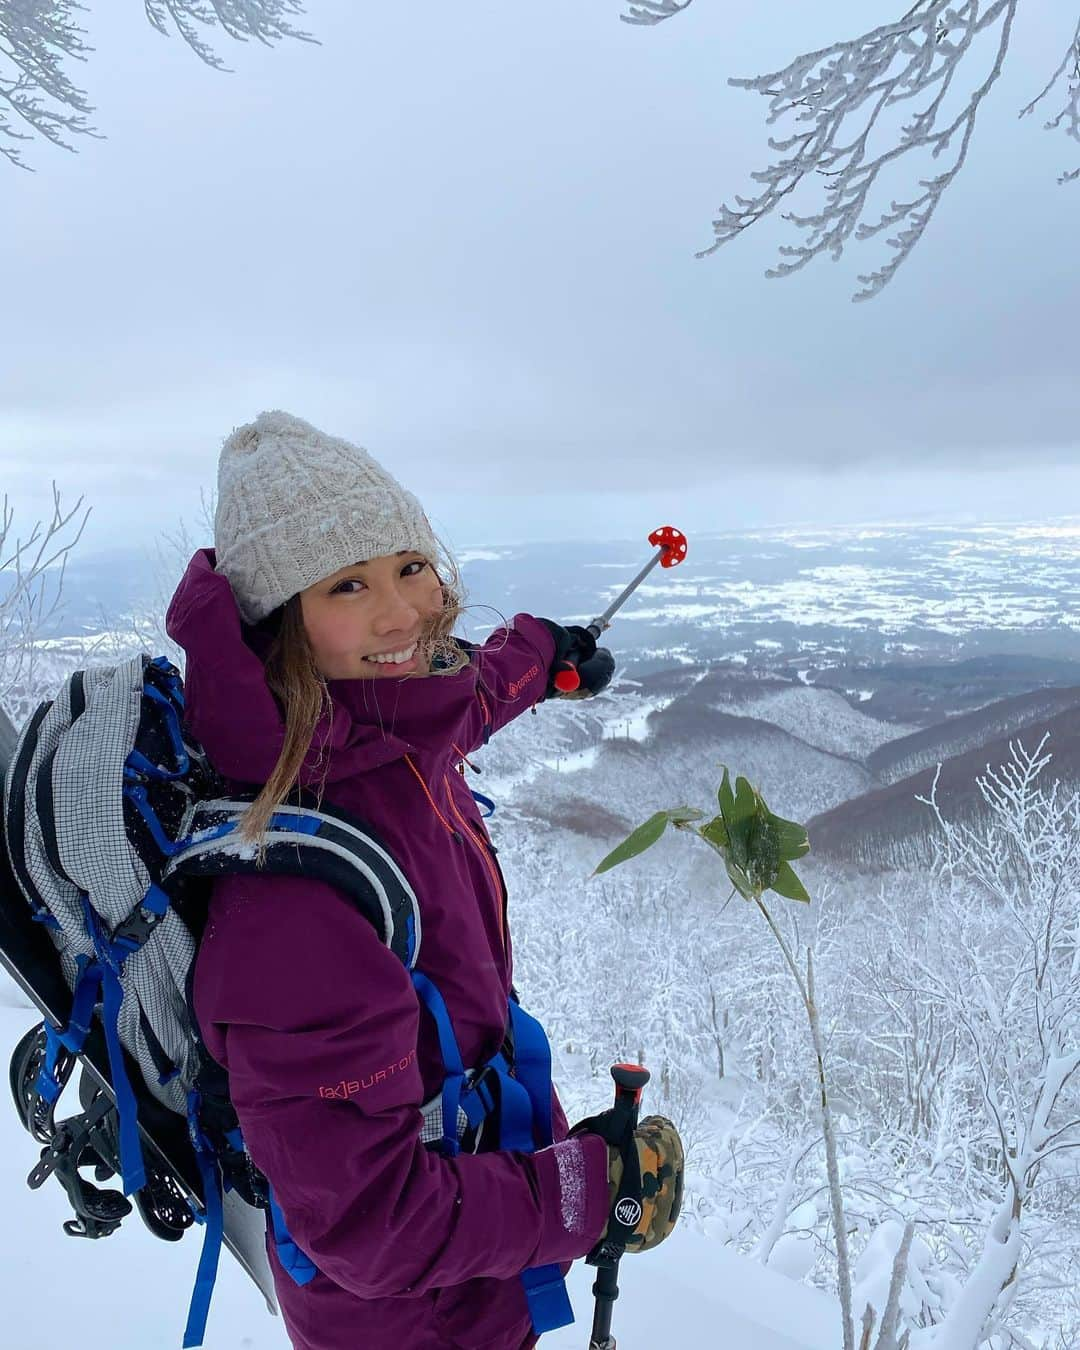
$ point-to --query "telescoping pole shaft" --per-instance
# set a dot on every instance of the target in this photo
(604, 621)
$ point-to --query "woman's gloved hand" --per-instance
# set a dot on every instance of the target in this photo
(595, 665)
(645, 1181)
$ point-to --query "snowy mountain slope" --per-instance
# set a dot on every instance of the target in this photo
(822, 718)
(569, 811)
(932, 745)
(796, 777)
(907, 688)
(669, 682)
(595, 769)
(888, 826)
(629, 780)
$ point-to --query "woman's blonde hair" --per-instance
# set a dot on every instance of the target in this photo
(300, 688)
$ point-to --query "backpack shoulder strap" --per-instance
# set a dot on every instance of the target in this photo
(324, 843)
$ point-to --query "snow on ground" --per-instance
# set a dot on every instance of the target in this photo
(692, 1291)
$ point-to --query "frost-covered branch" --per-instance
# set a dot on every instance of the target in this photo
(838, 101)
(265, 20)
(648, 12)
(38, 38)
(903, 96)
(31, 584)
(1069, 116)
(887, 1333)
(1004, 921)
(843, 1260)
(36, 96)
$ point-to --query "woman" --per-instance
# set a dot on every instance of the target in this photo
(320, 651)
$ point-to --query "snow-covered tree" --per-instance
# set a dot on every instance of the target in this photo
(902, 96)
(172, 552)
(39, 38)
(31, 587)
(1006, 920)
(948, 1025)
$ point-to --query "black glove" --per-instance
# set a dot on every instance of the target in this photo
(595, 665)
(645, 1181)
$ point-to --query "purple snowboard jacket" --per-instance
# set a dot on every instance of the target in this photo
(328, 1053)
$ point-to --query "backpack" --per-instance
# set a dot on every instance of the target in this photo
(115, 822)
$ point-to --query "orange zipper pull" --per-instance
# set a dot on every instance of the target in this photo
(466, 760)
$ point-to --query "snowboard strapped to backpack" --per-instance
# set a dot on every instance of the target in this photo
(115, 822)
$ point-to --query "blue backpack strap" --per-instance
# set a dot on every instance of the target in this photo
(548, 1299)
(101, 977)
(97, 981)
(297, 1264)
(454, 1082)
(48, 1085)
(532, 1068)
(214, 1220)
(484, 801)
(524, 1115)
(131, 1158)
(525, 1124)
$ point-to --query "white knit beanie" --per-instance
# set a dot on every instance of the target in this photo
(295, 505)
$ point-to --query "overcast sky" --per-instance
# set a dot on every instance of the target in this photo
(463, 235)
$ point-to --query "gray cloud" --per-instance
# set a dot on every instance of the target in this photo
(466, 239)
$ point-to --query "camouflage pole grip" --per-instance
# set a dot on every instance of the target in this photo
(630, 1080)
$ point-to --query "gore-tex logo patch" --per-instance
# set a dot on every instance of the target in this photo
(350, 1087)
(516, 686)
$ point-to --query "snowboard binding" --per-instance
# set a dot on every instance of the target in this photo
(36, 1112)
(89, 1139)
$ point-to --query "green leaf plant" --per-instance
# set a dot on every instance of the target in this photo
(758, 848)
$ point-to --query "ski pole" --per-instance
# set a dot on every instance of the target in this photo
(670, 545)
(630, 1080)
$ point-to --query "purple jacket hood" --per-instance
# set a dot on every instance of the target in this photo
(234, 716)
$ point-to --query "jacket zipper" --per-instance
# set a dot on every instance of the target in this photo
(489, 858)
(485, 711)
(493, 867)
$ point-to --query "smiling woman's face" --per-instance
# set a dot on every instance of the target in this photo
(374, 608)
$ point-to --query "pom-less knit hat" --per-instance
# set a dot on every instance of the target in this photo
(295, 505)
